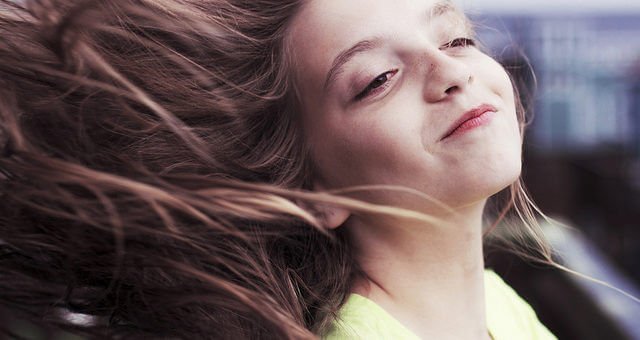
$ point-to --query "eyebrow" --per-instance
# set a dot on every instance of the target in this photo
(436, 10)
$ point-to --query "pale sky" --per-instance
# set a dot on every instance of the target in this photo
(551, 6)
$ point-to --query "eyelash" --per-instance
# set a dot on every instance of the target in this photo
(460, 42)
(374, 87)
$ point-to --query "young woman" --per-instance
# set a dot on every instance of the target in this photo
(256, 169)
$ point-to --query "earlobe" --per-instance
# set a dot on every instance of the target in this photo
(331, 216)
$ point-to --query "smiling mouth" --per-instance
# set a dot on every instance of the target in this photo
(470, 120)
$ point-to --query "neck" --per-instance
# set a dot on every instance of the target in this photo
(428, 277)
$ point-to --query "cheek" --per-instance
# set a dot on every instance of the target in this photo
(499, 81)
(371, 148)
(508, 151)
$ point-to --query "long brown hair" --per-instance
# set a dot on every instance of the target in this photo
(153, 175)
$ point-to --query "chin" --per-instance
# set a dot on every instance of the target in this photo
(510, 173)
(503, 166)
(507, 174)
(482, 184)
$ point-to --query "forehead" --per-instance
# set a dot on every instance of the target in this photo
(338, 14)
(325, 28)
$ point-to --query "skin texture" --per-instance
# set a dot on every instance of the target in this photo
(427, 276)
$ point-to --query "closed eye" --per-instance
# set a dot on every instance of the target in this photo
(378, 84)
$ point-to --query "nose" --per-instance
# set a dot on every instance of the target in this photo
(447, 76)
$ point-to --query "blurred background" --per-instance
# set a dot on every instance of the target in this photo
(577, 65)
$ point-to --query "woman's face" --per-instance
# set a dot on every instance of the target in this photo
(383, 83)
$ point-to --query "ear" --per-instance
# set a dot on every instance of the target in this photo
(332, 216)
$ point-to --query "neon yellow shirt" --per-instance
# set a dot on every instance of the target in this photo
(509, 317)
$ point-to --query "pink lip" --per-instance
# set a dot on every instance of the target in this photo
(470, 120)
